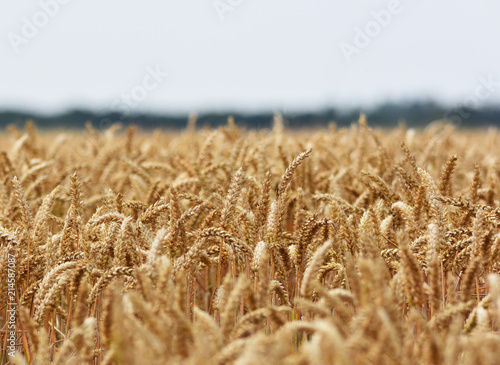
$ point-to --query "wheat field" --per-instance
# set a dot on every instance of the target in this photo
(227, 246)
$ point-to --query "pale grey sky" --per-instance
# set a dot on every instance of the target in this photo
(242, 54)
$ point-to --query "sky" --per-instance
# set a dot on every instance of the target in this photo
(206, 55)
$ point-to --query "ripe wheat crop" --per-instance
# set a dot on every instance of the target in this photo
(334, 246)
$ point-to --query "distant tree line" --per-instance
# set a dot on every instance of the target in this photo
(416, 114)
